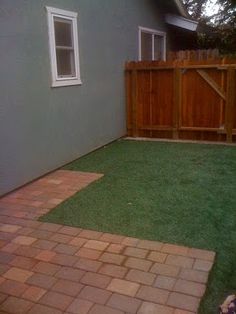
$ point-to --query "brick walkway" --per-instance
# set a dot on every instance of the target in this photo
(52, 269)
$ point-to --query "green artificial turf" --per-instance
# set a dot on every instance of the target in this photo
(173, 192)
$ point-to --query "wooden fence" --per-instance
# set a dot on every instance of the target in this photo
(193, 55)
(182, 99)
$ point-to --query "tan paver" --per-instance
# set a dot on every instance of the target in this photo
(16, 305)
(12, 287)
(140, 277)
(190, 288)
(52, 269)
(65, 249)
(202, 254)
(90, 234)
(150, 245)
(157, 257)
(24, 240)
(80, 306)
(67, 287)
(46, 268)
(78, 242)
(96, 280)
(42, 281)
(128, 241)
(56, 300)
(23, 262)
(112, 238)
(88, 265)
(123, 287)
(95, 295)
(112, 258)
(101, 309)
(165, 270)
(9, 228)
(18, 274)
(115, 248)
(155, 295)
(152, 308)
(183, 301)
(96, 245)
(113, 270)
(45, 256)
(178, 311)
(137, 263)
(203, 265)
(72, 231)
(88, 253)
(175, 249)
(194, 275)
(34, 293)
(124, 303)
(42, 309)
(135, 252)
(185, 262)
(165, 282)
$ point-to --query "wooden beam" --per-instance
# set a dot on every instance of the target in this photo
(223, 131)
(134, 104)
(199, 129)
(151, 100)
(212, 83)
(177, 101)
(156, 128)
(222, 102)
(151, 68)
(168, 67)
(128, 101)
(227, 66)
(183, 128)
(210, 66)
(230, 103)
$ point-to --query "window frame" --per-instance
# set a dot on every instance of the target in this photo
(57, 80)
(153, 32)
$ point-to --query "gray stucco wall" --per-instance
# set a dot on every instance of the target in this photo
(42, 128)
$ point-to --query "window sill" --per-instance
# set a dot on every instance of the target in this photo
(66, 83)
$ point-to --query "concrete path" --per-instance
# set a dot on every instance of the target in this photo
(53, 269)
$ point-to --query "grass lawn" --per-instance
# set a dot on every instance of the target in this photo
(172, 192)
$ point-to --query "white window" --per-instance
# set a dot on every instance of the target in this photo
(64, 47)
(152, 45)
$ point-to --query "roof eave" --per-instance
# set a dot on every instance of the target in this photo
(181, 22)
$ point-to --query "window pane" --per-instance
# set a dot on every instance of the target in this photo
(63, 32)
(146, 46)
(65, 62)
(158, 47)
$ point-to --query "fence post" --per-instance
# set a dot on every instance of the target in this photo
(134, 103)
(128, 99)
(177, 101)
(230, 103)
(222, 102)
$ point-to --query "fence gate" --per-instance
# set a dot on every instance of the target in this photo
(182, 99)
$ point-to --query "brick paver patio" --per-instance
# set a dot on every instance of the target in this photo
(52, 269)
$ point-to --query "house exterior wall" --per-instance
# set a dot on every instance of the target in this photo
(43, 128)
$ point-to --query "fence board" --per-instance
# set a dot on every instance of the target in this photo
(186, 99)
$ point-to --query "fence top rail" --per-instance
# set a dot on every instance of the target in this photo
(197, 55)
(160, 65)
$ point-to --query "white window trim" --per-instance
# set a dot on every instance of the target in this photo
(153, 32)
(71, 16)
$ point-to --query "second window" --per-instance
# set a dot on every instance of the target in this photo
(152, 44)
